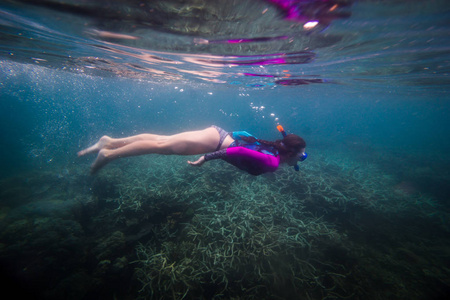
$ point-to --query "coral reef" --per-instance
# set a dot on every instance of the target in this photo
(155, 228)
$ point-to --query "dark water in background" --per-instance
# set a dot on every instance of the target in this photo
(367, 216)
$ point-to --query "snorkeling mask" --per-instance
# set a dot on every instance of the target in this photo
(301, 156)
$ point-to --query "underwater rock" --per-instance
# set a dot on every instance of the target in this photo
(103, 268)
(108, 247)
(75, 286)
(119, 264)
(405, 188)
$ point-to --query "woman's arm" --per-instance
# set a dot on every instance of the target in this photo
(198, 163)
(251, 161)
(209, 156)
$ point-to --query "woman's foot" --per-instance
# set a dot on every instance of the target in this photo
(102, 143)
(100, 161)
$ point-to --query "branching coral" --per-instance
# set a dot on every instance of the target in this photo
(265, 235)
(244, 235)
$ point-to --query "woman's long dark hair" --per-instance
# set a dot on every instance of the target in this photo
(290, 145)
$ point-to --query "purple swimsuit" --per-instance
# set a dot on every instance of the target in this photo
(255, 159)
(252, 161)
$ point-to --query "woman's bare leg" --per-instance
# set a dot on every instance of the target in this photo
(186, 143)
(106, 142)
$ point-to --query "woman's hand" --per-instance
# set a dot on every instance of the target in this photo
(198, 163)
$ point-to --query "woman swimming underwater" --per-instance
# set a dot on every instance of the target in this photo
(239, 148)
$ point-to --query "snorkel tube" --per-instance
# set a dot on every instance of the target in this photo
(301, 156)
(281, 129)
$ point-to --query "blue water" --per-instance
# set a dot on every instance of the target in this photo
(368, 90)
